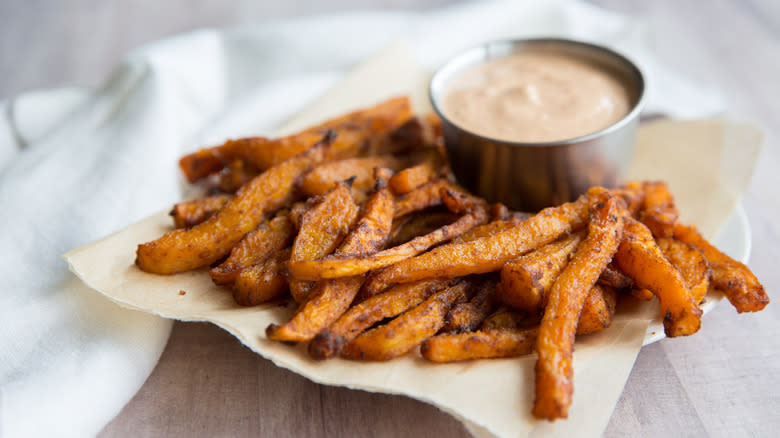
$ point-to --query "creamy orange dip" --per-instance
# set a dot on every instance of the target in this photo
(536, 97)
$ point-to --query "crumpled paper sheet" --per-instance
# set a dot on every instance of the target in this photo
(708, 164)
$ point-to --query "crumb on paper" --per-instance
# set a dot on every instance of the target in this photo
(182, 292)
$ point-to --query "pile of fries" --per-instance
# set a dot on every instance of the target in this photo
(360, 220)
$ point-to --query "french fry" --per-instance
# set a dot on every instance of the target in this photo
(331, 298)
(641, 259)
(467, 317)
(428, 195)
(731, 277)
(357, 130)
(598, 309)
(641, 294)
(658, 211)
(324, 224)
(691, 264)
(490, 253)
(182, 250)
(235, 175)
(262, 282)
(360, 317)
(410, 226)
(254, 249)
(407, 331)
(482, 344)
(526, 280)
(411, 178)
(190, 213)
(338, 266)
(506, 318)
(324, 177)
(555, 343)
(612, 277)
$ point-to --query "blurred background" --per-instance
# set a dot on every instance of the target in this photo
(48, 43)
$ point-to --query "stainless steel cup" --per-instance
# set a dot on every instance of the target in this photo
(531, 176)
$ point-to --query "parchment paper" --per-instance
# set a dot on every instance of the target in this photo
(708, 164)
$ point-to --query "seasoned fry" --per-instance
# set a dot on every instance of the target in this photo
(490, 253)
(408, 330)
(324, 177)
(204, 162)
(324, 224)
(555, 343)
(360, 317)
(633, 193)
(296, 213)
(428, 195)
(642, 294)
(234, 175)
(416, 176)
(182, 250)
(612, 277)
(510, 319)
(331, 298)
(690, 263)
(525, 281)
(410, 226)
(658, 211)
(641, 259)
(356, 132)
(254, 249)
(486, 230)
(338, 266)
(598, 309)
(263, 282)
(731, 277)
(190, 213)
(482, 344)
(468, 316)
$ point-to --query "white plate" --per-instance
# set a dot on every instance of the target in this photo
(734, 240)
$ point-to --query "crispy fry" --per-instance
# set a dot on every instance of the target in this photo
(190, 213)
(505, 318)
(525, 281)
(598, 309)
(235, 175)
(731, 277)
(331, 298)
(410, 226)
(490, 253)
(555, 343)
(182, 250)
(338, 266)
(612, 277)
(633, 193)
(263, 282)
(204, 162)
(641, 259)
(360, 317)
(690, 263)
(324, 224)
(254, 249)
(408, 330)
(641, 294)
(486, 230)
(658, 211)
(295, 213)
(428, 195)
(482, 344)
(357, 131)
(466, 317)
(324, 177)
(430, 161)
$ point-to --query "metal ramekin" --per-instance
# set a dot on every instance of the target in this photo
(531, 176)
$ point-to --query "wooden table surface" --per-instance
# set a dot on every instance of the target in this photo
(725, 381)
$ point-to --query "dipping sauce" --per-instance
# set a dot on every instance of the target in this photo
(537, 97)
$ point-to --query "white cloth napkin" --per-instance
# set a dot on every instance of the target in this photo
(76, 165)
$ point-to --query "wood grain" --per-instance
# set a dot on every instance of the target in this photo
(724, 381)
